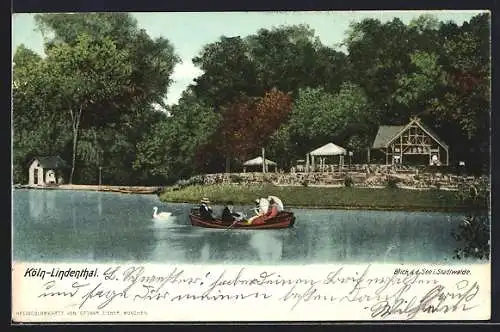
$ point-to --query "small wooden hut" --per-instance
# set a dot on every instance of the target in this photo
(46, 170)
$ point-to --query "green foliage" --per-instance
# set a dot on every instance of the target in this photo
(92, 97)
(152, 151)
(236, 178)
(391, 182)
(286, 58)
(384, 199)
(88, 73)
(291, 57)
(228, 72)
(473, 234)
(348, 181)
(311, 107)
(438, 71)
(99, 80)
(319, 117)
(170, 148)
(280, 147)
(420, 84)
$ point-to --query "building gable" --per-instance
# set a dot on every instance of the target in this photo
(53, 162)
(387, 134)
(424, 128)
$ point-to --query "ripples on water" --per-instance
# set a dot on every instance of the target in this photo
(56, 225)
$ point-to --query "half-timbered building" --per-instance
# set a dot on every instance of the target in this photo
(414, 144)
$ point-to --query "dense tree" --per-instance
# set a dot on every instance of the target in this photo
(291, 57)
(228, 72)
(169, 150)
(286, 58)
(86, 74)
(36, 129)
(246, 126)
(381, 54)
(127, 112)
(279, 88)
(468, 77)
(437, 70)
(319, 117)
(450, 87)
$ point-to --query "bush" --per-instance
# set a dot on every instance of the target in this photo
(473, 196)
(197, 180)
(474, 236)
(391, 182)
(267, 179)
(474, 232)
(183, 183)
(236, 178)
(348, 181)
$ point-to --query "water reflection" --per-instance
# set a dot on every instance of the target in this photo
(167, 240)
(50, 204)
(268, 245)
(103, 227)
(99, 203)
(36, 203)
(205, 252)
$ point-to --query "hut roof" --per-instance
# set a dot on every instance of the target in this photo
(50, 162)
(258, 161)
(329, 149)
(386, 134)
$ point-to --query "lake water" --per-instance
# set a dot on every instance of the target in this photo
(84, 226)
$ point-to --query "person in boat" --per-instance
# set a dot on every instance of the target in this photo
(228, 215)
(260, 203)
(205, 210)
(277, 201)
(271, 213)
(257, 208)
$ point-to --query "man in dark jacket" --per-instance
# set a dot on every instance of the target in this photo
(206, 212)
(227, 214)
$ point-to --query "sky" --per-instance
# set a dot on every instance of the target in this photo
(190, 31)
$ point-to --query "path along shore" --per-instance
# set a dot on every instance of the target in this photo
(118, 189)
(158, 189)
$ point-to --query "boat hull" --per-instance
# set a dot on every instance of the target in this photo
(284, 219)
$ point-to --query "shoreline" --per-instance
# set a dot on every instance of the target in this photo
(344, 207)
(327, 198)
(298, 196)
(155, 189)
(101, 188)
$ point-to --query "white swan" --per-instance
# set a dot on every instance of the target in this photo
(161, 215)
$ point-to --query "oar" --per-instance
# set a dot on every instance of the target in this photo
(234, 223)
(242, 215)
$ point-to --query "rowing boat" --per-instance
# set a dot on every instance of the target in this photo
(284, 219)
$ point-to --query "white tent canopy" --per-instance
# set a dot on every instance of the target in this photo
(329, 149)
(258, 162)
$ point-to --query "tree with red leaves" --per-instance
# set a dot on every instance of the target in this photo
(246, 126)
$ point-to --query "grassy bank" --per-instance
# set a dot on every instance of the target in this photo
(320, 197)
